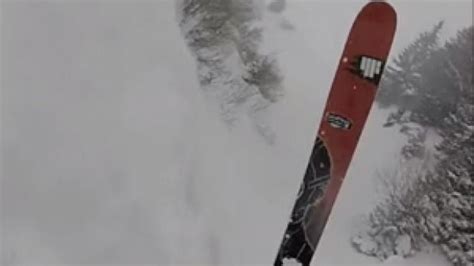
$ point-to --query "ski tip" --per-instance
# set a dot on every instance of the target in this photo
(380, 4)
(380, 10)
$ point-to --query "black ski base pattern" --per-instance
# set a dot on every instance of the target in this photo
(296, 242)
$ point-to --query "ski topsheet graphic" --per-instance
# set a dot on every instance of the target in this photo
(348, 105)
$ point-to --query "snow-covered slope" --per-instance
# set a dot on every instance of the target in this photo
(111, 155)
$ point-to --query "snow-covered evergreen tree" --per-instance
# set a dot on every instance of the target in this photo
(455, 172)
(225, 37)
(401, 221)
(415, 86)
(454, 200)
(405, 80)
(433, 206)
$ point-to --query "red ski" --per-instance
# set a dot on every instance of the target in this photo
(348, 105)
